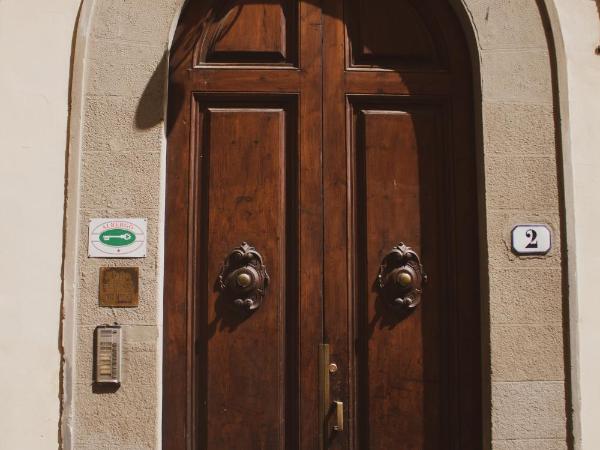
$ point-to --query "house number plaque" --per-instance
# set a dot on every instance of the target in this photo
(532, 239)
(119, 287)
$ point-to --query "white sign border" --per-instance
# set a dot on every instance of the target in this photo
(94, 251)
(533, 253)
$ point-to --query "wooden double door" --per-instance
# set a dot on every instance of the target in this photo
(320, 161)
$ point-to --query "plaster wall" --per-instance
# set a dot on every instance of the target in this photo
(35, 44)
(580, 25)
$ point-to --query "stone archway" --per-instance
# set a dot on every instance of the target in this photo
(116, 169)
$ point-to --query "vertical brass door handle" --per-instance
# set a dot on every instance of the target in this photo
(328, 410)
(339, 416)
(401, 278)
(244, 278)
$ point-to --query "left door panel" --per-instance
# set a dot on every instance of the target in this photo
(246, 385)
(243, 166)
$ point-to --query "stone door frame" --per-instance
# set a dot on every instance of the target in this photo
(116, 168)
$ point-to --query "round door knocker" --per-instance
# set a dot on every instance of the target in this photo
(401, 278)
(244, 278)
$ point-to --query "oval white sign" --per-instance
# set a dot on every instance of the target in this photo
(117, 238)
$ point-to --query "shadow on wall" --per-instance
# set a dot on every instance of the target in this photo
(598, 8)
(597, 48)
(150, 110)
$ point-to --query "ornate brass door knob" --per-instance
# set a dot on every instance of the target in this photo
(244, 278)
(401, 278)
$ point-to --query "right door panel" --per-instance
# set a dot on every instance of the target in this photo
(398, 81)
(398, 152)
(415, 372)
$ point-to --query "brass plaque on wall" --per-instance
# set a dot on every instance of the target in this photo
(119, 287)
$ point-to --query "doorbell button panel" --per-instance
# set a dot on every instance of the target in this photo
(109, 344)
(531, 239)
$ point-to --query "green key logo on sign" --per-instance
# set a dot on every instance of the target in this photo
(117, 238)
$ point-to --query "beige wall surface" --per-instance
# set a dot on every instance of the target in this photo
(120, 74)
(580, 24)
(35, 44)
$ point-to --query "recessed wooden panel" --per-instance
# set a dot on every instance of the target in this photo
(389, 34)
(246, 31)
(244, 151)
(398, 154)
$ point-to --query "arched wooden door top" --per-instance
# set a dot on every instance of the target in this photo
(423, 36)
